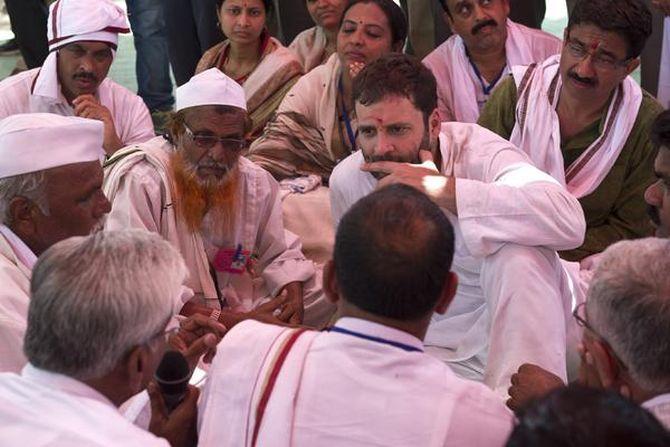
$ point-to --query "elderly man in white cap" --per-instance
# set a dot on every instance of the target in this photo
(220, 210)
(50, 189)
(83, 38)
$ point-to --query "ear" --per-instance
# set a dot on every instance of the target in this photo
(632, 65)
(435, 124)
(21, 216)
(330, 286)
(136, 368)
(566, 33)
(507, 7)
(448, 20)
(448, 293)
(605, 363)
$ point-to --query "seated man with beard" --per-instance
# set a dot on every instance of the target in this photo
(220, 210)
(509, 219)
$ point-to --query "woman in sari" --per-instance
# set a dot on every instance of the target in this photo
(315, 45)
(315, 125)
(258, 62)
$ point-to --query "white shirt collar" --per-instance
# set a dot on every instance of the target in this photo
(377, 330)
(63, 383)
(660, 400)
(21, 250)
(659, 406)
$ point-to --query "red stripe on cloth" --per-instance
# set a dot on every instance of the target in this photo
(272, 379)
(60, 39)
(116, 29)
(575, 168)
(524, 94)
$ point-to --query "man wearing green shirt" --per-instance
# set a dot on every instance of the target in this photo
(582, 119)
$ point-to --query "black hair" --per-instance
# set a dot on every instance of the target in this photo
(578, 416)
(269, 5)
(393, 253)
(660, 130)
(397, 75)
(629, 18)
(394, 14)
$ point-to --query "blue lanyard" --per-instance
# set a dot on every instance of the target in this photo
(395, 344)
(487, 90)
(347, 121)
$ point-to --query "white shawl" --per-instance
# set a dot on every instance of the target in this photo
(664, 74)
(310, 47)
(538, 132)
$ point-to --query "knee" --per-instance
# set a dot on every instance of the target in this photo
(515, 259)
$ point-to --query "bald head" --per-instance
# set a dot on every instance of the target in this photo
(393, 253)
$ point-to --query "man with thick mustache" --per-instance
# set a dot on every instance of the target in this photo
(480, 54)
(657, 194)
(220, 210)
(50, 190)
(83, 37)
(581, 118)
(508, 216)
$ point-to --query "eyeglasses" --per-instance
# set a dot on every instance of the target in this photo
(208, 141)
(580, 316)
(171, 329)
(600, 61)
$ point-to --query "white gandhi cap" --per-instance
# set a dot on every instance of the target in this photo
(32, 142)
(211, 88)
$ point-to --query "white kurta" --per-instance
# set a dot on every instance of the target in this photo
(338, 389)
(131, 117)
(664, 72)
(139, 187)
(659, 406)
(513, 296)
(460, 93)
(39, 408)
(16, 263)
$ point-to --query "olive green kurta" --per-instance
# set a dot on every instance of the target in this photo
(616, 209)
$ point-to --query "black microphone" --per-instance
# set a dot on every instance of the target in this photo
(172, 376)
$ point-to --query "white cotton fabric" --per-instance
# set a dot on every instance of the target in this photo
(664, 74)
(458, 86)
(538, 130)
(211, 87)
(511, 219)
(41, 408)
(336, 389)
(659, 406)
(14, 299)
(32, 142)
(129, 113)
